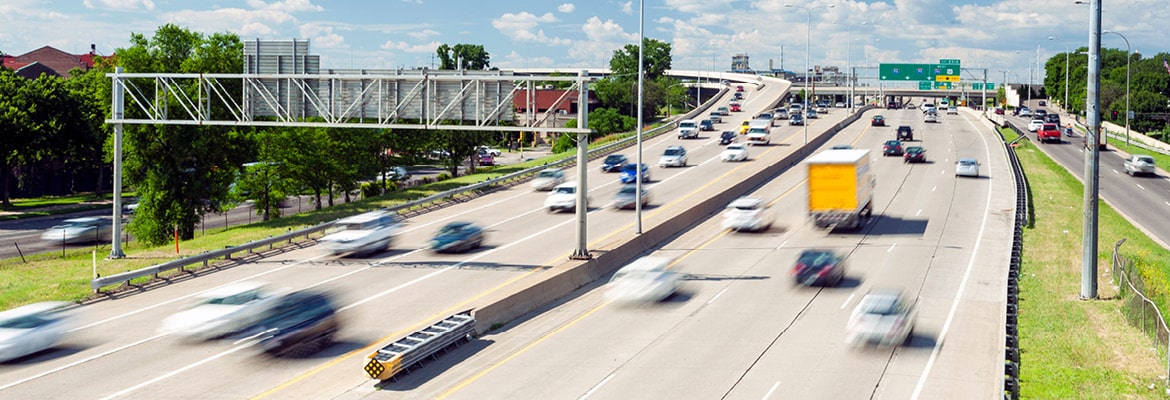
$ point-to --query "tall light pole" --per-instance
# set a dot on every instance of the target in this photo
(1092, 157)
(807, 44)
(1128, 56)
(1066, 55)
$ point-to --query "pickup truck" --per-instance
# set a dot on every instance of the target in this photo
(1139, 164)
(1048, 133)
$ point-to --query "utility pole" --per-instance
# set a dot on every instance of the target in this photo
(1092, 156)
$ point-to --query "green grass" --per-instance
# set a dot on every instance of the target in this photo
(54, 205)
(1073, 349)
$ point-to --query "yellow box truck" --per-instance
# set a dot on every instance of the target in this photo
(840, 188)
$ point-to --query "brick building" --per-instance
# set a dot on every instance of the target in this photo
(48, 60)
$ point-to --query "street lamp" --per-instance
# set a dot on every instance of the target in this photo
(807, 44)
(1066, 55)
(1128, 56)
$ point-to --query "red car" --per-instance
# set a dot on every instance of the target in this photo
(486, 159)
(1048, 133)
(734, 107)
(877, 120)
(739, 88)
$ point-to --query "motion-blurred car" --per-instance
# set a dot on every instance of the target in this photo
(298, 324)
(743, 128)
(748, 214)
(673, 156)
(796, 119)
(914, 154)
(614, 162)
(220, 312)
(1024, 112)
(892, 148)
(32, 328)
(362, 234)
(967, 167)
(457, 237)
(1053, 118)
(738, 88)
(563, 197)
(80, 230)
(818, 267)
(626, 196)
(397, 174)
(646, 280)
(883, 317)
(727, 137)
(629, 172)
(688, 129)
(734, 152)
(822, 108)
(547, 179)
(877, 120)
(931, 116)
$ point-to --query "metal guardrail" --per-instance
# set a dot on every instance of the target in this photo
(1138, 308)
(1011, 365)
(204, 258)
(417, 346)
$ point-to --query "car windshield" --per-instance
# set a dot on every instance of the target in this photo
(1146, 159)
(687, 124)
(25, 322)
(735, 147)
(613, 158)
(452, 228)
(630, 190)
(235, 299)
(967, 163)
(882, 305)
(892, 143)
(564, 190)
(673, 152)
(728, 134)
(816, 258)
(915, 150)
(547, 174)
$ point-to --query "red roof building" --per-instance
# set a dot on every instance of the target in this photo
(48, 60)
(544, 99)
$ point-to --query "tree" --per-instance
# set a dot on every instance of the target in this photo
(458, 146)
(180, 172)
(656, 59)
(469, 56)
(16, 127)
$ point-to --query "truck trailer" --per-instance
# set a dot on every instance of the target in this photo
(840, 188)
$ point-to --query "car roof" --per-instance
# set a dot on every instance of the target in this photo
(84, 219)
(572, 184)
(674, 147)
(967, 160)
(32, 309)
(912, 149)
(364, 217)
(893, 141)
(746, 202)
(231, 289)
(903, 126)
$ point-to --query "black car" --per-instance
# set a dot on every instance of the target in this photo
(892, 148)
(298, 324)
(1052, 118)
(706, 125)
(727, 137)
(796, 119)
(614, 163)
(818, 267)
(457, 237)
(905, 132)
(914, 154)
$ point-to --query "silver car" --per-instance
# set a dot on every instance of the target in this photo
(548, 179)
(625, 197)
(80, 230)
(967, 167)
(363, 233)
(29, 329)
(883, 317)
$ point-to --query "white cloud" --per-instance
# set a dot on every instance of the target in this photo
(423, 34)
(285, 6)
(524, 27)
(322, 36)
(411, 48)
(566, 8)
(121, 5)
(601, 39)
(516, 60)
(244, 22)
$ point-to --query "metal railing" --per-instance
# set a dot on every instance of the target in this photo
(1011, 365)
(203, 259)
(1139, 309)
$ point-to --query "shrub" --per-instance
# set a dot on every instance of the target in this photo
(565, 142)
(442, 177)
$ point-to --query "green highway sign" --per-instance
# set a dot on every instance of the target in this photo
(976, 86)
(944, 71)
(943, 85)
(990, 86)
(923, 85)
(947, 61)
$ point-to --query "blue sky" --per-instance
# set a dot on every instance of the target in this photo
(999, 35)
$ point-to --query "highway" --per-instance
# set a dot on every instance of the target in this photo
(741, 329)
(926, 241)
(1143, 200)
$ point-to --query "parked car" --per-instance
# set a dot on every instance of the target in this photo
(967, 167)
(748, 214)
(614, 162)
(457, 236)
(673, 156)
(727, 137)
(220, 311)
(882, 317)
(32, 328)
(486, 159)
(905, 132)
(818, 267)
(914, 154)
(563, 197)
(646, 280)
(877, 120)
(362, 234)
(629, 171)
(547, 179)
(892, 148)
(734, 152)
(298, 324)
(491, 151)
(626, 196)
(80, 230)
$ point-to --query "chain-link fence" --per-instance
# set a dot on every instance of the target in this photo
(1139, 309)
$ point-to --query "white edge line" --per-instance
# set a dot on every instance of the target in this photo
(595, 387)
(847, 300)
(78, 362)
(770, 391)
(175, 372)
(716, 296)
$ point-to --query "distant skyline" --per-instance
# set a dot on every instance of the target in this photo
(1003, 36)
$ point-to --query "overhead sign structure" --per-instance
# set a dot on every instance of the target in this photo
(981, 86)
(947, 70)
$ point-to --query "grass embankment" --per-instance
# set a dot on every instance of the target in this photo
(54, 205)
(1074, 349)
(53, 276)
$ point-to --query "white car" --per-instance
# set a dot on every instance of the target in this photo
(883, 317)
(220, 311)
(967, 167)
(758, 137)
(735, 152)
(748, 214)
(29, 329)
(80, 230)
(548, 179)
(930, 117)
(688, 129)
(646, 280)
(563, 197)
(1035, 125)
(362, 234)
(673, 156)
(490, 151)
